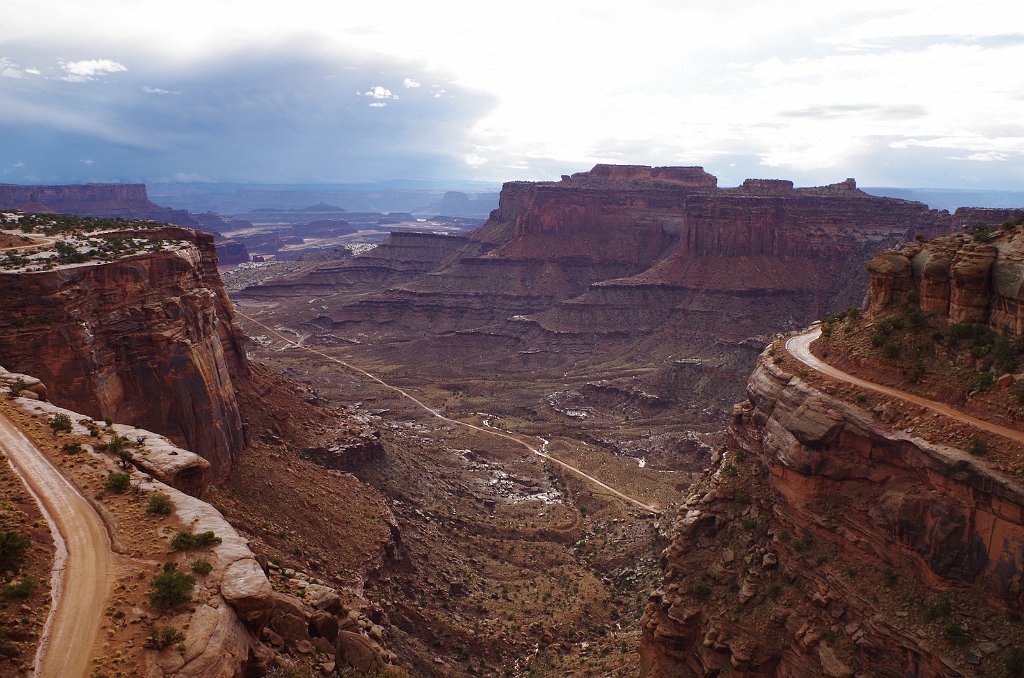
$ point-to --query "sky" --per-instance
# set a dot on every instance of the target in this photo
(892, 92)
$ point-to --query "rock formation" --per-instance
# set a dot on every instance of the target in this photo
(975, 278)
(127, 201)
(147, 339)
(823, 543)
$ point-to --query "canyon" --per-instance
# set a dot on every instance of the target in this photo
(510, 449)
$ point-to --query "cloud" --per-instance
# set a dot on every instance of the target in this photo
(410, 83)
(879, 111)
(157, 90)
(985, 156)
(268, 115)
(90, 69)
(9, 69)
(88, 162)
(380, 92)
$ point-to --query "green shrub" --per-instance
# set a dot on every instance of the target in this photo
(117, 444)
(17, 387)
(889, 576)
(916, 372)
(981, 381)
(164, 637)
(171, 588)
(701, 592)
(118, 482)
(60, 422)
(124, 458)
(773, 591)
(12, 549)
(23, 588)
(72, 448)
(977, 445)
(159, 504)
(892, 350)
(186, 541)
(916, 320)
(954, 633)
(934, 611)
(202, 567)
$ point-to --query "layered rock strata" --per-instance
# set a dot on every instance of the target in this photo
(147, 339)
(822, 543)
(963, 277)
(127, 201)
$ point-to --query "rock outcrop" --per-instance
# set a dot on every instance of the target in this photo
(973, 278)
(127, 201)
(822, 543)
(147, 339)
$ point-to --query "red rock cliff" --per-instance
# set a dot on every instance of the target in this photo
(146, 340)
(129, 201)
(821, 542)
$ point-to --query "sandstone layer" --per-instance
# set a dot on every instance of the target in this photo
(967, 278)
(822, 543)
(147, 339)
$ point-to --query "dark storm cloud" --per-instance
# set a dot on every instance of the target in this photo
(272, 115)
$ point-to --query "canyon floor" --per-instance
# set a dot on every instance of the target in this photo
(510, 563)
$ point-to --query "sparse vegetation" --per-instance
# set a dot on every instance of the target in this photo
(159, 504)
(13, 546)
(23, 588)
(187, 541)
(701, 592)
(60, 422)
(954, 633)
(977, 445)
(118, 482)
(164, 637)
(171, 588)
(202, 567)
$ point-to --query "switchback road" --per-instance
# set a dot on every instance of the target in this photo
(800, 348)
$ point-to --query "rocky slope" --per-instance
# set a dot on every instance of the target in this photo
(146, 338)
(822, 542)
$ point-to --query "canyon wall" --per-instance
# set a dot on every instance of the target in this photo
(148, 339)
(128, 201)
(975, 278)
(822, 543)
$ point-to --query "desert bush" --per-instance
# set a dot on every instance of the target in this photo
(981, 381)
(954, 633)
(60, 422)
(164, 637)
(186, 541)
(202, 567)
(916, 371)
(701, 591)
(171, 588)
(159, 504)
(118, 482)
(72, 448)
(941, 608)
(23, 588)
(977, 445)
(12, 549)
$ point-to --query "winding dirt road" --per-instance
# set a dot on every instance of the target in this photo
(800, 348)
(489, 431)
(84, 565)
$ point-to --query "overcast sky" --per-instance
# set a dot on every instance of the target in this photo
(893, 92)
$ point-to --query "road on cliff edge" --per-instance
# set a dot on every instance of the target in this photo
(83, 567)
(489, 431)
(800, 348)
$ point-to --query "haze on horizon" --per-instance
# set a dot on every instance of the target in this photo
(895, 93)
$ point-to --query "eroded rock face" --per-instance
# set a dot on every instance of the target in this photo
(831, 499)
(148, 339)
(128, 201)
(958, 276)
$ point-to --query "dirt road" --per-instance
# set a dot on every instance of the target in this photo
(83, 567)
(489, 431)
(800, 348)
